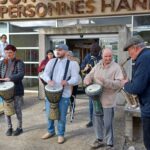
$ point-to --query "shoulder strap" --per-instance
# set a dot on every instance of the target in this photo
(66, 69)
(53, 68)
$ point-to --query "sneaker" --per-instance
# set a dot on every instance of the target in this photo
(89, 124)
(109, 147)
(17, 132)
(131, 148)
(47, 135)
(9, 132)
(97, 143)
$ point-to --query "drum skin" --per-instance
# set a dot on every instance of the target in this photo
(53, 95)
(95, 91)
(7, 91)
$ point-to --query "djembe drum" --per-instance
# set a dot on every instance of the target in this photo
(53, 94)
(95, 91)
(7, 93)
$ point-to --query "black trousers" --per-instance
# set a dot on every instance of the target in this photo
(146, 132)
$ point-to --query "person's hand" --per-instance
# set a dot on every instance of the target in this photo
(51, 83)
(64, 83)
(123, 82)
(6, 79)
(87, 81)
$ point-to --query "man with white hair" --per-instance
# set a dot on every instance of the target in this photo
(108, 74)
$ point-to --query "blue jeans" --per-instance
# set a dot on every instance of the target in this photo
(90, 109)
(63, 107)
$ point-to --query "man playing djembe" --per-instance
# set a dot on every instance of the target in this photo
(109, 75)
(12, 69)
(57, 69)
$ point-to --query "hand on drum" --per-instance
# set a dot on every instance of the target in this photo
(51, 83)
(64, 83)
(4, 79)
(87, 81)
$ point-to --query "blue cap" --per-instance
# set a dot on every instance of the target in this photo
(62, 46)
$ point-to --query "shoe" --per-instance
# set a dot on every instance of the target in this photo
(89, 124)
(109, 147)
(9, 132)
(17, 132)
(131, 148)
(61, 139)
(97, 143)
(47, 135)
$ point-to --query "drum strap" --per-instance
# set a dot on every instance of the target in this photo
(53, 68)
(66, 69)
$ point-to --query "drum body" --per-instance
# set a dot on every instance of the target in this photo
(53, 94)
(94, 91)
(1, 105)
(7, 93)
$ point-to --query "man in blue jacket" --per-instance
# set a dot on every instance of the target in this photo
(90, 61)
(140, 83)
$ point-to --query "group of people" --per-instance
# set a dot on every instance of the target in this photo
(101, 70)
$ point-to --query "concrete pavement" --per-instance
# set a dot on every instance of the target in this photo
(78, 137)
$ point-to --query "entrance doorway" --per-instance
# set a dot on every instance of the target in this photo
(80, 47)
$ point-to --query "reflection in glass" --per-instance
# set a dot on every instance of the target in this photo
(28, 55)
(30, 84)
(54, 43)
(24, 40)
(31, 69)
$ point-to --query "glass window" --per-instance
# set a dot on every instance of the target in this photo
(16, 29)
(142, 20)
(111, 20)
(30, 83)
(31, 69)
(28, 55)
(3, 28)
(54, 43)
(111, 42)
(24, 40)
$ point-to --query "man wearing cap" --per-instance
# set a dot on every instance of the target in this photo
(57, 69)
(90, 61)
(140, 83)
(12, 69)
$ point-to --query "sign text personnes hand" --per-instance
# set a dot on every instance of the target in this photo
(51, 83)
